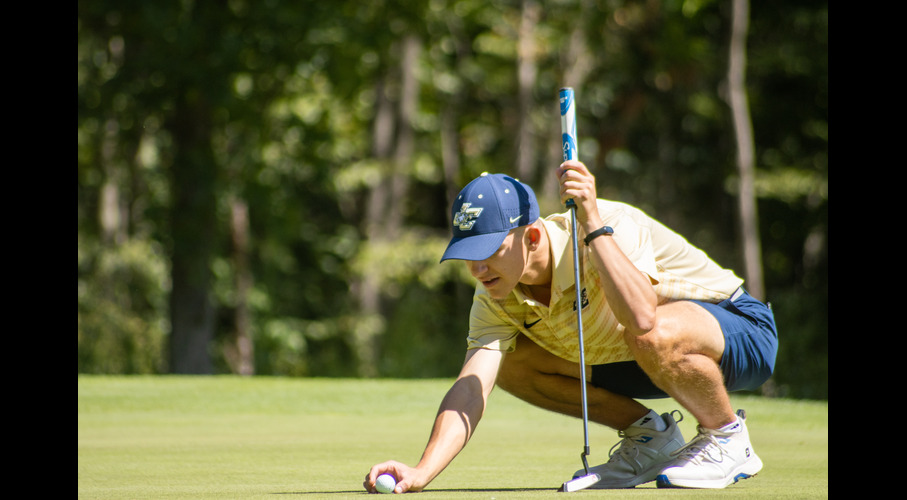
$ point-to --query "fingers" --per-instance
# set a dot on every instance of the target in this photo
(373, 474)
(575, 180)
(401, 472)
(575, 165)
(577, 184)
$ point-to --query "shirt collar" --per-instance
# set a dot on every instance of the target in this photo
(557, 227)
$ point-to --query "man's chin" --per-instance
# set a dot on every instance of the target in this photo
(495, 290)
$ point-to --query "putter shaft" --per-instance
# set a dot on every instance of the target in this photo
(568, 134)
(582, 349)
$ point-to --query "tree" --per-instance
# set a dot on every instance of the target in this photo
(749, 217)
(268, 184)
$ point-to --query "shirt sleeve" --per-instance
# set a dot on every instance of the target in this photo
(634, 240)
(487, 329)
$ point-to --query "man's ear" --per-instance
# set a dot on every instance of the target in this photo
(533, 236)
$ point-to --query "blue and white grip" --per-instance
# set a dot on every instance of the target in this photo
(568, 127)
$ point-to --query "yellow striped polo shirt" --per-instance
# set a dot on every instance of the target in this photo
(677, 269)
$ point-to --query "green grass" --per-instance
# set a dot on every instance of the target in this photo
(278, 438)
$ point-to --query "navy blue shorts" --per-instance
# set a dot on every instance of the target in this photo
(750, 348)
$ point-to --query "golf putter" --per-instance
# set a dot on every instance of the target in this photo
(568, 134)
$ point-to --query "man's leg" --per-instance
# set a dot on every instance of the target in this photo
(542, 379)
(681, 356)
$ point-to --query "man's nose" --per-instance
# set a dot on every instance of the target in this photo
(476, 267)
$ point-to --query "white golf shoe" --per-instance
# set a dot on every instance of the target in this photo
(640, 455)
(713, 459)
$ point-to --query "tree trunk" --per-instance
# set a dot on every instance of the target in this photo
(527, 70)
(749, 219)
(387, 200)
(576, 63)
(118, 150)
(240, 351)
(450, 152)
(110, 215)
(450, 120)
(192, 224)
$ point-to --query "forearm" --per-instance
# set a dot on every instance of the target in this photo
(458, 415)
(459, 412)
(628, 290)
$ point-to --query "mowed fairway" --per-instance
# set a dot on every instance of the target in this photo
(224, 437)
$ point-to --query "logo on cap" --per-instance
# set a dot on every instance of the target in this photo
(466, 217)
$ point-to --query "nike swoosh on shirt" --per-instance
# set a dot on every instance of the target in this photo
(530, 325)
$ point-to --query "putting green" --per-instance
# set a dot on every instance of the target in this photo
(230, 437)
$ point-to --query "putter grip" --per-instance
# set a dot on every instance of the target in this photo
(568, 128)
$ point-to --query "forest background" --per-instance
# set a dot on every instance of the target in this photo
(264, 187)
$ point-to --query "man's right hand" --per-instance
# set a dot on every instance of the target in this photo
(408, 478)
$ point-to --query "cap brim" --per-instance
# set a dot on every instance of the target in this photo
(475, 247)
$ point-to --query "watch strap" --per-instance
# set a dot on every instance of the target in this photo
(598, 232)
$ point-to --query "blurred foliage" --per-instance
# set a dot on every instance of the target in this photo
(292, 93)
(122, 308)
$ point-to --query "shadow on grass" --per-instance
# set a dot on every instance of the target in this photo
(428, 491)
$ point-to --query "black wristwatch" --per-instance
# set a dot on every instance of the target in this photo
(598, 232)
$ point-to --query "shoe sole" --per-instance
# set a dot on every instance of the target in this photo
(663, 481)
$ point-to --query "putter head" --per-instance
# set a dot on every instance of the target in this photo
(579, 483)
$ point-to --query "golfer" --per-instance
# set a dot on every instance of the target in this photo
(660, 319)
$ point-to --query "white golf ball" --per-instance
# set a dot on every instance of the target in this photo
(385, 483)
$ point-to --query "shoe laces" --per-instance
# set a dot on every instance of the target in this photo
(627, 447)
(705, 446)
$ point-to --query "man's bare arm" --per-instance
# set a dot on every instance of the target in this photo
(456, 420)
(629, 291)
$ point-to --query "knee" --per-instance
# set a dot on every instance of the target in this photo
(656, 343)
(682, 329)
(657, 351)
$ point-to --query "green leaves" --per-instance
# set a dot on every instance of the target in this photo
(305, 105)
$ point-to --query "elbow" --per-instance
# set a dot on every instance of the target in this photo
(641, 322)
(642, 325)
(644, 317)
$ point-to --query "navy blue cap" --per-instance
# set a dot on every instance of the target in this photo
(485, 211)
